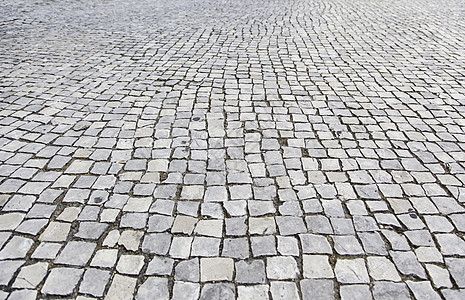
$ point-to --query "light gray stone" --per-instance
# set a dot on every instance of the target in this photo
(153, 288)
(61, 281)
(94, 282)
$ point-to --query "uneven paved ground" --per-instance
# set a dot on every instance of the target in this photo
(220, 149)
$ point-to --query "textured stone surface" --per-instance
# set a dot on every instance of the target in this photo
(61, 281)
(232, 149)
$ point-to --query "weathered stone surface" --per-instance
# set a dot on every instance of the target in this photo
(30, 276)
(218, 291)
(55, 232)
(317, 289)
(216, 269)
(232, 149)
(94, 282)
(7, 270)
(61, 281)
(351, 271)
(76, 253)
(122, 287)
(281, 267)
(153, 288)
(250, 272)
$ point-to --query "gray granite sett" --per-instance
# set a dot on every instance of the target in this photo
(10, 221)
(373, 243)
(288, 246)
(263, 245)
(318, 224)
(407, 263)
(41, 211)
(156, 243)
(390, 290)
(134, 220)
(32, 226)
(164, 207)
(160, 266)
(105, 258)
(122, 287)
(88, 213)
(347, 245)
(153, 288)
(7, 269)
(76, 253)
(94, 282)
(91, 230)
(288, 225)
(205, 246)
(212, 210)
(160, 223)
(253, 292)
(355, 291)
(61, 281)
(236, 248)
(283, 290)
(19, 203)
(281, 267)
(451, 244)
(130, 264)
(351, 271)
(423, 290)
(17, 247)
(236, 226)
(312, 243)
(188, 270)
(456, 267)
(185, 290)
(46, 250)
(321, 289)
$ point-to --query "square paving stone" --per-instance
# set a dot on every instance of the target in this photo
(105, 258)
(317, 266)
(134, 220)
(224, 291)
(281, 267)
(61, 281)
(10, 221)
(153, 288)
(76, 253)
(456, 267)
(389, 290)
(46, 250)
(122, 287)
(7, 270)
(91, 230)
(355, 291)
(156, 243)
(160, 266)
(185, 290)
(30, 276)
(17, 247)
(351, 271)
(284, 290)
(94, 282)
(253, 292)
(317, 289)
(188, 270)
(216, 269)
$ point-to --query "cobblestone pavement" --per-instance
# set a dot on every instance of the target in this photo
(213, 149)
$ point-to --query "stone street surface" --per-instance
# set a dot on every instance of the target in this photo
(232, 149)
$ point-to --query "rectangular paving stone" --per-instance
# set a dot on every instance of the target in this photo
(62, 281)
(76, 253)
